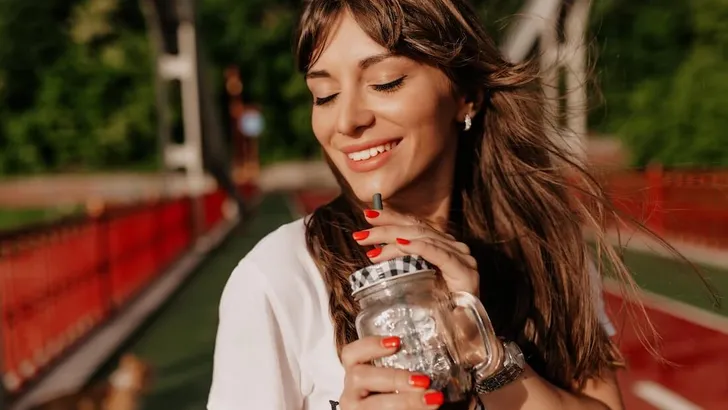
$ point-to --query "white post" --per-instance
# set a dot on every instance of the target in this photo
(191, 108)
(550, 70)
(187, 155)
(538, 22)
(575, 29)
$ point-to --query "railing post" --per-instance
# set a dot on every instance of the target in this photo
(3, 392)
(104, 269)
(655, 197)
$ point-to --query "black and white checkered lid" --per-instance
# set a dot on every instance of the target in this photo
(384, 271)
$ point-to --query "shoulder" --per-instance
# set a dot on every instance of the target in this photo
(280, 246)
(278, 265)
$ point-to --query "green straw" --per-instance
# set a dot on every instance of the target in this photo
(377, 200)
(377, 205)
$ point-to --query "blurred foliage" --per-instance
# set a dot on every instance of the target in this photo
(256, 35)
(662, 72)
(76, 86)
(76, 82)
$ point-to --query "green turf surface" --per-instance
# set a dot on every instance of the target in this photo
(677, 280)
(179, 341)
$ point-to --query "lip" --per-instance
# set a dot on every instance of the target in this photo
(366, 145)
(372, 163)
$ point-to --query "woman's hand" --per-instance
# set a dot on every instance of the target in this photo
(372, 388)
(406, 235)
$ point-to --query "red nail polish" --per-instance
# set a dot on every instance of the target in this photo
(403, 241)
(391, 342)
(370, 213)
(374, 252)
(360, 236)
(419, 380)
(435, 398)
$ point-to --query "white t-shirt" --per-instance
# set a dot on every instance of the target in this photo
(275, 346)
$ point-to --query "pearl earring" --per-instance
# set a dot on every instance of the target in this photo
(468, 122)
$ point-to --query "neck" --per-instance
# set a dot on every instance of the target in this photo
(428, 198)
(433, 210)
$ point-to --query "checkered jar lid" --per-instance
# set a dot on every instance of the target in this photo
(384, 271)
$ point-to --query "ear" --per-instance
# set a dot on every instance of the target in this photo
(470, 104)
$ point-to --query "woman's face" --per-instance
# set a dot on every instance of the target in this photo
(387, 122)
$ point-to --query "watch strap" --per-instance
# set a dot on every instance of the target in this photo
(512, 368)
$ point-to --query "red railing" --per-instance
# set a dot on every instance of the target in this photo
(59, 282)
(690, 206)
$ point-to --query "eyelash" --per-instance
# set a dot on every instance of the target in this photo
(389, 87)
(325, 100)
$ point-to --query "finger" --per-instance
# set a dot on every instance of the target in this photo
(385, 253)
(367, 349)
(410, 400)
(390, 217)
(456, 273)
(364, 379)
(458, 249)
(448, 246)
(399, 249)
(389, 233)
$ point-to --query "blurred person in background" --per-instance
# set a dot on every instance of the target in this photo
(413, 100)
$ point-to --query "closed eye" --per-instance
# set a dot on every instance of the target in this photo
(391, 86)
(325, 100)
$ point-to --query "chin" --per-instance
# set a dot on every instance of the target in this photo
(387, 180)
(365, 190)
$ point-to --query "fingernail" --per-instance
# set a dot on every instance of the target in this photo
(419, 380)
(434, 398)
(391, 342)
(370, 213)
(403, 241)
(360, 236)
(374, 252)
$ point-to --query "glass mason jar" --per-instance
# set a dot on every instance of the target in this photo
(400, 297)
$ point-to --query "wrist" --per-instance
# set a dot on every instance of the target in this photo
(504, 367)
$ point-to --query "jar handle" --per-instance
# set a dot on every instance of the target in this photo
(493, 346)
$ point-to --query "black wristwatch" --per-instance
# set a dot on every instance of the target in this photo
(511, 367)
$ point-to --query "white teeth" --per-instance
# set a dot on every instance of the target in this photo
(371, 152)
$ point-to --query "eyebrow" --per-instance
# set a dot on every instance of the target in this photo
(363, 65)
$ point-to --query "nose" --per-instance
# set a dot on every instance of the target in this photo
(354, 116)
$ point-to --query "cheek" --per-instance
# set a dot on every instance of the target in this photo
(324, 129)
(321, 126)
(430, 120)
(427, 109)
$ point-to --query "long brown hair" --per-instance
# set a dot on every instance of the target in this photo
(512, 201)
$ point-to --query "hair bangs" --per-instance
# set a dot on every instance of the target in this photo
(382, 21)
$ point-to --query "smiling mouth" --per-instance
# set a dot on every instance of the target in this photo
(372, 152)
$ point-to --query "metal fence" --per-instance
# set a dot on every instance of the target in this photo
(60, 281)
(690, 206)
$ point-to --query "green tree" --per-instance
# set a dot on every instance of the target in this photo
(635, 42)
(77, 90)
(674, 108)
(256, 35)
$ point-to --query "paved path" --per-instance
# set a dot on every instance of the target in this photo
(179, 342)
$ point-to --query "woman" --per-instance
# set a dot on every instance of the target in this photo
(412, 100)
